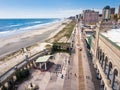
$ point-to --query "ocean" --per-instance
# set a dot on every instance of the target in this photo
(14, 26)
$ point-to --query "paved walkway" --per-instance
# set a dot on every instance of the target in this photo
(87, 71)
(59, 77)
(81, 73)
(93, 82)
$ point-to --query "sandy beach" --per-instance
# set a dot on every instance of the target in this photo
(34, 38)
(16, 42)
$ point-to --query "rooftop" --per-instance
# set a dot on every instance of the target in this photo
(43, 59)
(107, 7)
(88, 10)
(113, 35)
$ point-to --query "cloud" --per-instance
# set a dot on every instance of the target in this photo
(61, 13)
(71, 12)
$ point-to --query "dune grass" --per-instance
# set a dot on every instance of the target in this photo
(66, 32)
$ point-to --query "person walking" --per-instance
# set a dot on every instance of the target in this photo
(75, 75)
(62, 76)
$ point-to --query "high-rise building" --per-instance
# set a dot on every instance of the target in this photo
(119, 12)
(90, 16)
(119, 9)
(112, 11)
(77, 18)
(106, 13)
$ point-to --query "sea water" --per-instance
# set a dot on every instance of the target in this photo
(14, 26)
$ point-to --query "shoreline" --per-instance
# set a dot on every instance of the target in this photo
(23, 33)
(28, 38)
(10, 33)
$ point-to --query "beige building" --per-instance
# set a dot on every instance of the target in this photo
(119, 12)
(90, 17)
(105, 50)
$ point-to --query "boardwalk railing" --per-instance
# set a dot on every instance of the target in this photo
(20, 65)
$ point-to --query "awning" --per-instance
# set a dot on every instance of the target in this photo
(43, 59)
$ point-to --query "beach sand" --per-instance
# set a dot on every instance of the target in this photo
(26, 39)
(16, 42)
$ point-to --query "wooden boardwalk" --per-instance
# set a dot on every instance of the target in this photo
(81, 78)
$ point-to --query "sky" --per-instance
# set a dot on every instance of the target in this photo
(50, 8)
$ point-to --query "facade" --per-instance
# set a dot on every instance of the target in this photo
(112, 11)
(78, 17)
(119, 12)
(106, 59)
(119, 9)
(90, 16)
(106, 13)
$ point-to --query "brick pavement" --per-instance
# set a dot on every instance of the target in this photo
(49, 80)
(81, 78)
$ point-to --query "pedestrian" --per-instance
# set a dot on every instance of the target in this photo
(62, 76)
(75, 75)
(31, 85)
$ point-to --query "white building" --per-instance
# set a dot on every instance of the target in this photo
(106, 13)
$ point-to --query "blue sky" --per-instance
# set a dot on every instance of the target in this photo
(50, 8)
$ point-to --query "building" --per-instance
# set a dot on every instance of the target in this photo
(106, 13)
(100, 17)
(77, 18)
(90, 17)
(80, 16)
(119, 12)
(112, 11)
(105, 50)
